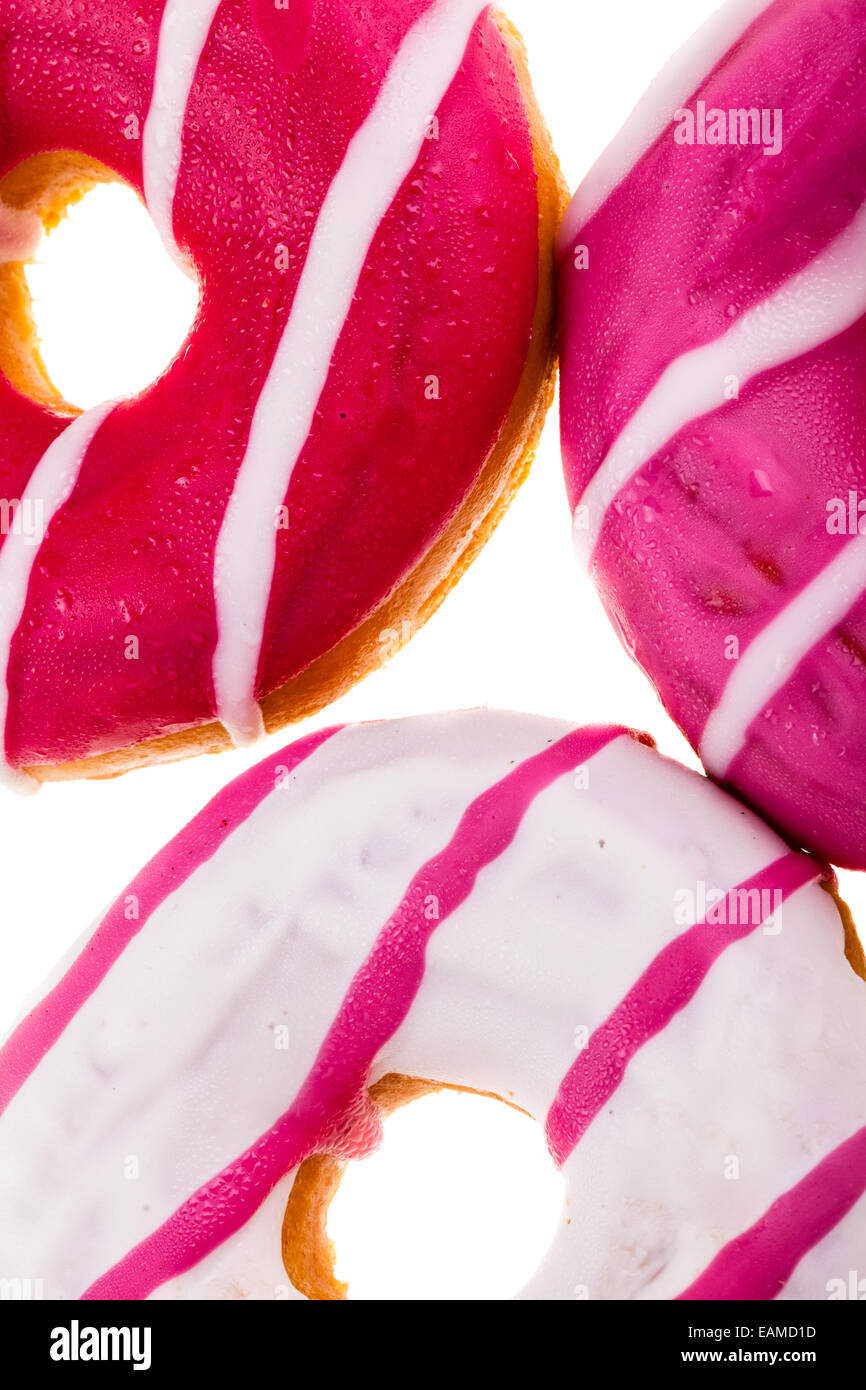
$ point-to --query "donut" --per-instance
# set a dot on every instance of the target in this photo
(368, 198)
(713, 296)
(556, 916)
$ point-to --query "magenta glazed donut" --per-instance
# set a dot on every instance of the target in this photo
(368, 197)
(713, 281)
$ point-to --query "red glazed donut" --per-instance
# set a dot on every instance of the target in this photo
(714, 419)
(368, 197)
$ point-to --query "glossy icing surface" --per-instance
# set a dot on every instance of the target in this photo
(355, 189)
(509, 904)
(713, 412)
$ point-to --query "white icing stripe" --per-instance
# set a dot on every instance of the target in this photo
(815, 305)
(50, 486)
(182, 36)
(380, 157)
(772, 659)
(678, 80)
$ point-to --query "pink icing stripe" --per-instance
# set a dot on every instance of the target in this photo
(758, 1264)
(331, 1110)
(164, 875)
(664, 989)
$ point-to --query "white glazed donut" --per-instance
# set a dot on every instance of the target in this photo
(560, 917)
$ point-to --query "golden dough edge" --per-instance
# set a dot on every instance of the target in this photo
(309, 1256)
(854, 952)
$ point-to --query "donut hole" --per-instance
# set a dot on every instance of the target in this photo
(461, 1201)
(102, 309)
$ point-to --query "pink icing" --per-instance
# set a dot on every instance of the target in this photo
(727, 523)
(665, 988)
(448, 289)
(332, 1110)
(758, 1264)
(40, 1030)
(286, 33)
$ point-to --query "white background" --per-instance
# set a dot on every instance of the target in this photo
(524, 630)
